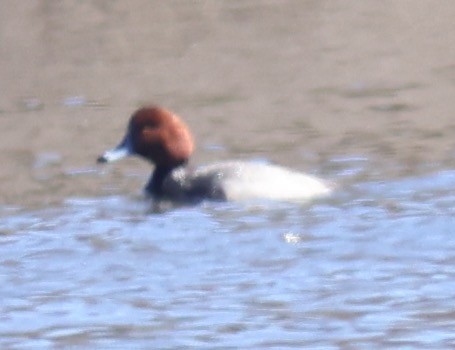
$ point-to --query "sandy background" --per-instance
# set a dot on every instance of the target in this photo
(302, 83)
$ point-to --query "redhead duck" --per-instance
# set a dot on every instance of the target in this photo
(161, 137)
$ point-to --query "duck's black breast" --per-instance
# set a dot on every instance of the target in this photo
(185, 184)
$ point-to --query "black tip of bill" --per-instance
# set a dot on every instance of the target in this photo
(101, 160)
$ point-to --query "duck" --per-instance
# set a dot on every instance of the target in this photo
(162, 138)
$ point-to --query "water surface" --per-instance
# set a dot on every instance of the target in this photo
(360, 94)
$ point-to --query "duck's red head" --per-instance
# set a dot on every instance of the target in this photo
(157, 135)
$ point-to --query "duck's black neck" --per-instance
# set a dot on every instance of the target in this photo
(155, 184)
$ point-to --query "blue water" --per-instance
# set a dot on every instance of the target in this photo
(358, 92)
(370, 267)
